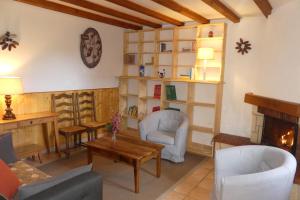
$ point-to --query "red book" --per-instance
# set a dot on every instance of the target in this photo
(157, 91)
(155, 108)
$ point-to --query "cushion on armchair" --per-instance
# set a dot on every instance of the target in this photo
(7, 153)
(162, 137)
(9, 182)
(168, 125)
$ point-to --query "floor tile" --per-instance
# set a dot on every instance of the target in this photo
(187, 185)
(207, 184)
(208, 164)
(201, 173)
(200, 193)
(174, 196)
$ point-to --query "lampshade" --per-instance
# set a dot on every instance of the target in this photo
(205, 53)
(10, 85)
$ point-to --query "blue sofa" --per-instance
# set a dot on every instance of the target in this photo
(77, 184)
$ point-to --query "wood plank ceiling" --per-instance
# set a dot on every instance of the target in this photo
(99, 11)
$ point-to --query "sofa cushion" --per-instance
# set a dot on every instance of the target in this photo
(168, 125)
(7, 153)
(39, 186)
(9, 182)
(26, 173)
(162, 137)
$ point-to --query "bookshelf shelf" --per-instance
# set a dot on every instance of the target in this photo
(171, 80)
(211, 105)
(185, 66)
(186, 51)
(176, 101)
(133, 42)
(150, 41)
(186, 40)
(160, 41)
(203, 98)
(202, 129)
(149, 98)
(210, 38)
(167, 52)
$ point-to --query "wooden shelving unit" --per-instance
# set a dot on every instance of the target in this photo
(200, 99)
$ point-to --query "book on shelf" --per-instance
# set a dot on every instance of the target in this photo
(171, 92)
(130, 59)
(157, 91)
(163, 47)
(156, 108)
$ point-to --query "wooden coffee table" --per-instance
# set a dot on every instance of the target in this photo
(129, 149)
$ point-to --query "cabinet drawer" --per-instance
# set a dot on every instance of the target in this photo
(31, 122)
(8, 126)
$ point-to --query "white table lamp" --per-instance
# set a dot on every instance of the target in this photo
(205, 54)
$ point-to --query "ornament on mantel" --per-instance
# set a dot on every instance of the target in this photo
(243, 46)
(7, 42)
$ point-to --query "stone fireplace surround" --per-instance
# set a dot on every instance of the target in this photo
(262, 106)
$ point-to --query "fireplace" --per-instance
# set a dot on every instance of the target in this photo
(275, 123)
(280, 133)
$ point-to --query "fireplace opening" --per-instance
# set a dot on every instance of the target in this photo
(280, 133)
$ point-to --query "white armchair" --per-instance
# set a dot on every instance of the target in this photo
(254, 172)
(167, 127)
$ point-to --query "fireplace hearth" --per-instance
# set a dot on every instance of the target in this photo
(280, 133)
(275, 123)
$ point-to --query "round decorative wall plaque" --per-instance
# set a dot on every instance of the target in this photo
(90, 47)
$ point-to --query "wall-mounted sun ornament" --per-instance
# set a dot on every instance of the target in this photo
(243, 46)
(7, 41)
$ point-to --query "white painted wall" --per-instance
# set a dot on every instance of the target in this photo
(48, 58)
(271, 69)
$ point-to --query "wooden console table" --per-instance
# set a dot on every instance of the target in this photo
(26, 120)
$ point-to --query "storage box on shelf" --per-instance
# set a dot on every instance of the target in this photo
(200, 99)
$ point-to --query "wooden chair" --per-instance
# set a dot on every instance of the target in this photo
(64, 105)
(86, 110)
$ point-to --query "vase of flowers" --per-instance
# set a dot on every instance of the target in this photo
(116, 122)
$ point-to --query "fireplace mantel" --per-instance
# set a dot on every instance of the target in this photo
(287, 107)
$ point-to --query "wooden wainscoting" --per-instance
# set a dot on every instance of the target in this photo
(107, 103)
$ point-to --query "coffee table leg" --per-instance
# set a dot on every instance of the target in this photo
(137, 167)
(158, 164)
(90, 155)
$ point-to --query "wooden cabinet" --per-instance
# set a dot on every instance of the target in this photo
(174, 51)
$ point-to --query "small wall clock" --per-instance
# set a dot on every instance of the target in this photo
(90, 47)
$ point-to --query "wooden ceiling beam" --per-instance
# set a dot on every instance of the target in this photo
(146, 11)
(80, 13)
(224, 10)
(264, 6)
(112, 12)
(173, 5)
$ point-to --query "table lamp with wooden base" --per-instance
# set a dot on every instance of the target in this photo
(10, 86)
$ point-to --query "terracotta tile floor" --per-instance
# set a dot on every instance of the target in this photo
(198, 185)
